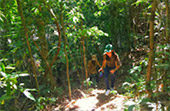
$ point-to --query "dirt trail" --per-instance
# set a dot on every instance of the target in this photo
(95, 100)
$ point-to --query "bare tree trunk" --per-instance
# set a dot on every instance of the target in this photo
(58, 29)
(44, 49)
(51, 78)
(59, 32)
(74, 62)
(27, 41)
(167, 29)
(84, 53)
(167, 21)
(65, 51)
(41, 35)
(84, 59)
(151, 53)
(59, 42)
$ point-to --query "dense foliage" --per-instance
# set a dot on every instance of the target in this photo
(37, 37)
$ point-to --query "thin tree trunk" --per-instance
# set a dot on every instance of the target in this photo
(44, 49)
(65, 51)
(59, 32)
(71, 57)
(74, 63)
(167, 21)
(27, 41)
(41, 35)
(84, 53)
(151, 53)
(52, 80)
(59, 44)
(59, 38)
(84, 59)
(167, 29)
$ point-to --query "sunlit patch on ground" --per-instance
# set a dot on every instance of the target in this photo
(95, 100)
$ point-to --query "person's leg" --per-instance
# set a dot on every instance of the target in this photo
(106, 76)
(91, 76)
(113, 79)
(92, 82)
(97, 78)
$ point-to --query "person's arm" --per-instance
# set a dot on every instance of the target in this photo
(117, 64)
(98, 63)
(103, 64)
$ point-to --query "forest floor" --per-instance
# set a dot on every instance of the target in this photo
(94, 99)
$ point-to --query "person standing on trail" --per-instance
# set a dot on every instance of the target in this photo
(92, 68)
(111, 63)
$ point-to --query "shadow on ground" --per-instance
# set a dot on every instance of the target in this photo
(102, 99)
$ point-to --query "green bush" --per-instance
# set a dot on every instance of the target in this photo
(10, 86)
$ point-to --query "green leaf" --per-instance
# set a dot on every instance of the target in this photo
(145, 100)
(22, 75)
(2, 16)
(3, 67)
(136, 68)
(165, 66)
(114, 92)
(3, 74)
(75, 19)
(105, 34)
(5, 97)
(121, 10)
(28, 94)
(10, 68)
(8, 89)
(130, 108)
(139, 2)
